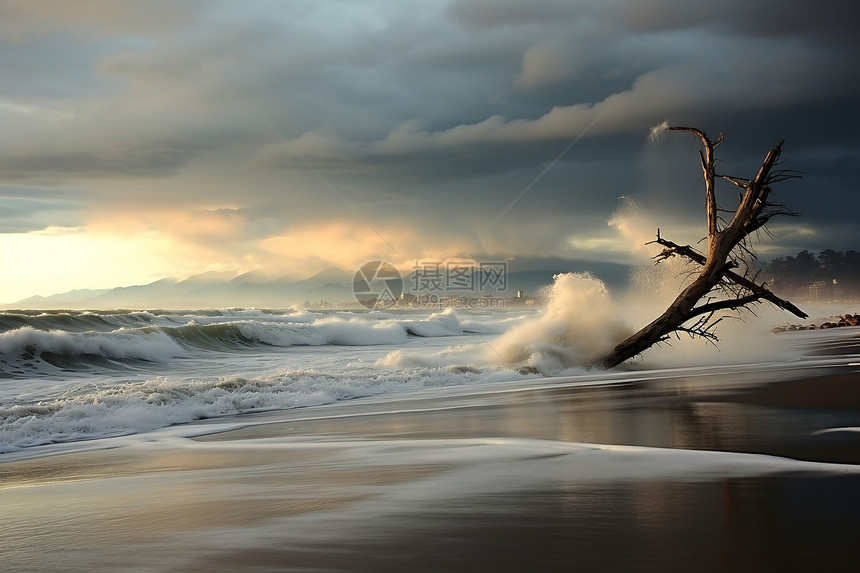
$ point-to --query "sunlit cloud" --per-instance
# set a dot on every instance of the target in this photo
(139, 124)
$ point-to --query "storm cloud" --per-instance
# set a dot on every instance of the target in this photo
(473, 126)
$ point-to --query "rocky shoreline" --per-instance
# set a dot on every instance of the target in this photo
(832, 322)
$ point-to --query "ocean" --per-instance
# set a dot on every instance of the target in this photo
(67, 376)
(75, 375)
(422, 439)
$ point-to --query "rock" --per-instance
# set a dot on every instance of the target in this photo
(833, 322)
(528, 370)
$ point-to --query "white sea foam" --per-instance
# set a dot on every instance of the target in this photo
(579, 323)
(358, 332)
(121, 343)
(216, 347)
(88, 411)
(350, 330)
(176, 336)
(443, 323)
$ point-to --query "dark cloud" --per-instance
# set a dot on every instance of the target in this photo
(144, 162)
(828, 21)
(24, 209)
(59, 70)
(511, 13)
(407, 108)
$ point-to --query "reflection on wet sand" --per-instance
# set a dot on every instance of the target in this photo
(550, 477)
(753, 414)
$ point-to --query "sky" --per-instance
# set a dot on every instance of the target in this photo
(144, 140)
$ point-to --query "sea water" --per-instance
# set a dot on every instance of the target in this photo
(67, 376)
(71, 375)
(447, 439)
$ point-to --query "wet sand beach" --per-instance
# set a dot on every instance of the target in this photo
(728, 469)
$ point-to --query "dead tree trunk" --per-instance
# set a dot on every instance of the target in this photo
(717, 284)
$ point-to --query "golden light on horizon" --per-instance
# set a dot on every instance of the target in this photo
(58, 260)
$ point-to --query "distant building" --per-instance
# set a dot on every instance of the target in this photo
(818, 290)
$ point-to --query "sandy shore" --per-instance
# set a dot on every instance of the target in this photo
(641, 472)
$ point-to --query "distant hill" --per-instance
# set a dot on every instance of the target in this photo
(206, 290)
(63, 300)
(255, 289)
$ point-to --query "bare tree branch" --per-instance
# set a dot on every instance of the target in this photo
(728, 304)
(759, 291)
(707, 157)
(728, 249)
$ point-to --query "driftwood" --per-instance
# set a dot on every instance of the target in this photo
(726, 280)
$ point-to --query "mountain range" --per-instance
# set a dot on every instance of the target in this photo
(332, 286)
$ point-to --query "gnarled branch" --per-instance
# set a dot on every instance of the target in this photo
(726, 247)
(759, 291)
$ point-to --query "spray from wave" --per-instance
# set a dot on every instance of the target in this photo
(652, 287)
(582, 322)
(579, 323)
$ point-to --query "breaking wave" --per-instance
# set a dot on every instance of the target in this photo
(29, 343)
(88, 411)
(68, 376)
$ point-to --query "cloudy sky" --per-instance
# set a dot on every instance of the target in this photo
(142, 140)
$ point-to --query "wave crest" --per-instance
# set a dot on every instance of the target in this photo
(28, 343)
(88, 411)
